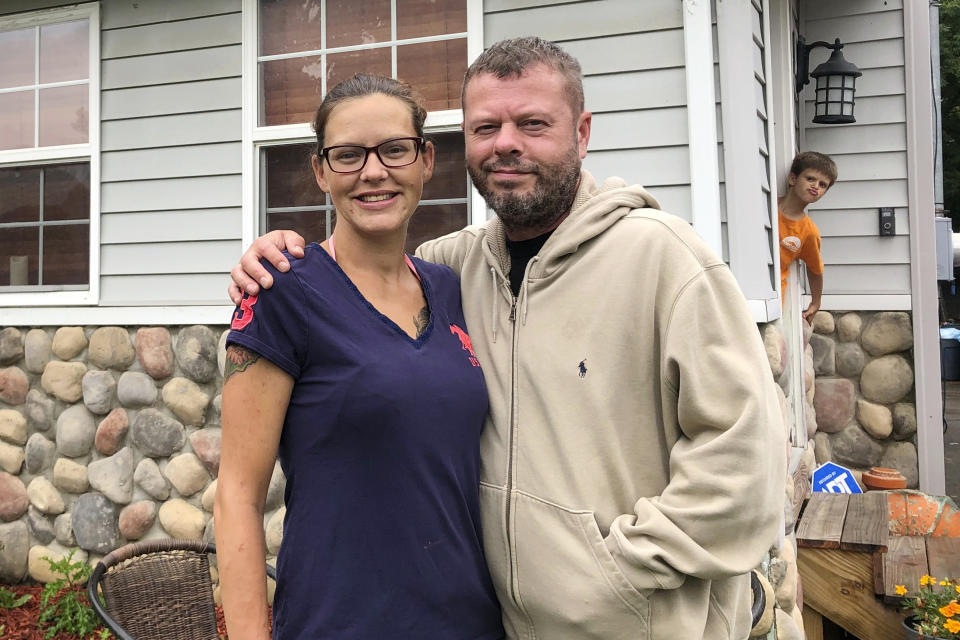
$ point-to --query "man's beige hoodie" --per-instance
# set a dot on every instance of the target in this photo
(633, 460)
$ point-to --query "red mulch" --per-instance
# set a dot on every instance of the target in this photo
(21, 623)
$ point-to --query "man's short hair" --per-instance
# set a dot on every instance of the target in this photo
(817, 161)
(510, 58)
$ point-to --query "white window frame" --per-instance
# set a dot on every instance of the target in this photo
(256, 137)
(86, 152)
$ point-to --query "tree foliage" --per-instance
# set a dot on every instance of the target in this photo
(950, 105)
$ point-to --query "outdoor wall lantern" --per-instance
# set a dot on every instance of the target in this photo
(836, 82)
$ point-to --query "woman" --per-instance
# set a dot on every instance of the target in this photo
(354, 367)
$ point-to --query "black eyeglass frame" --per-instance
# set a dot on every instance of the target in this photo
(421, 145)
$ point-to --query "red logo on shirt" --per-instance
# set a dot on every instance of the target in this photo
(244, 315)
(465, 343)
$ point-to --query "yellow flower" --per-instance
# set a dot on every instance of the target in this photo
(957, 587)
(901, 590)
(952, 626)
(947, 611)
(925, 580)
(944, 583)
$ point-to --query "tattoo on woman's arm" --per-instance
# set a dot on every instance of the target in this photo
(422, 320)
(238, 359)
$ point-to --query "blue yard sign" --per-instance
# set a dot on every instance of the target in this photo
(832, 478)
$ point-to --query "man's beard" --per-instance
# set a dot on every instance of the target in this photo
(551, 198)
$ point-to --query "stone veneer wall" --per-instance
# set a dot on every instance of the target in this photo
(864, 396)
(109, 435)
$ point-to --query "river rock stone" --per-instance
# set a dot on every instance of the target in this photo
(886, 380)
(181, 519)
(13, 426)
(823, 323)
(278, 484)
(148, 477)
(11, 457)
(111, 431)
(75, 431)
(13, 385)
(70, 476)
(209, 531)
(187, 474)
(39, 568)
(155, 352)
(94, 522)
(773, 343)
(834, 403)
(222, 350)
(113, 476)
(850, 359)
(98, 388)
(206, 444)
(11, 345)
(824, 355)
(209, 497)
(904, 421)
(69, 342)
(902, 456)
(274, 531)
(852, 447)
(187, 401)
(136, 389)
(40, 526)
(64, 380)
(44, 496)
(217, 406)
(810, 418)
(887, 332)
(196, 352)
(36, 350)
(876, 419)
(110, 348)
(157, 435)
(137, 518)
(786, 591)
(63, 530)
(39, 453)
(14, 547)
(39, 410)
(13, 497)
(849, 326)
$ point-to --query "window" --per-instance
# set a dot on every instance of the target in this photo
(305, 47)
(49, 111)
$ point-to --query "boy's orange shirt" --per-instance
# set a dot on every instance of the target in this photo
(798, 239)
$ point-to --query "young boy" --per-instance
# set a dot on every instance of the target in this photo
(811, 174)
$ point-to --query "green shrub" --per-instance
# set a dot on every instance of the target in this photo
(63, 606)
(9, 600)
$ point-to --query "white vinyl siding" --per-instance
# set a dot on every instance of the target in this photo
(871, 154)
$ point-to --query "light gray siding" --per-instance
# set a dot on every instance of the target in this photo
(870, 155)
(633, 65)
(171, 151)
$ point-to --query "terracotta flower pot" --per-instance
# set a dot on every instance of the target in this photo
(910, 631)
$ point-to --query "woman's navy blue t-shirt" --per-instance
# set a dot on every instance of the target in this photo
(380, 448)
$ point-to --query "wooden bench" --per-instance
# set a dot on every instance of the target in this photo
(850, 563)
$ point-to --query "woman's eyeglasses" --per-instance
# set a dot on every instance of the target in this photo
(395, 153)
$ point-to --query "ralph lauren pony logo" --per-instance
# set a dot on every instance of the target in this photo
(465, 343)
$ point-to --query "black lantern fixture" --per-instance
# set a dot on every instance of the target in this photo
(836, 82)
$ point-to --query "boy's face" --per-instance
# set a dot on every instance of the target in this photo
(809, 186)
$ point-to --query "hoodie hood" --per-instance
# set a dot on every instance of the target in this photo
(595, 208)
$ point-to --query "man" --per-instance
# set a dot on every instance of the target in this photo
(632, 464)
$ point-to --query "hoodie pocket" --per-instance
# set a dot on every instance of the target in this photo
(569, 584)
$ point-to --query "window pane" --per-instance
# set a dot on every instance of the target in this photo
(287, 26)
(64, 118)
(16, 120)
(433, 221)
(435, 69)
(291, 90)
(17, 65)
(449, 175)
(66, 254)
(64, 51)
(66, 193)
(351, 22)
(289, 177)
(312, 225)
(19, 195)
(341, 66)
(19, 248)
(417, 18)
